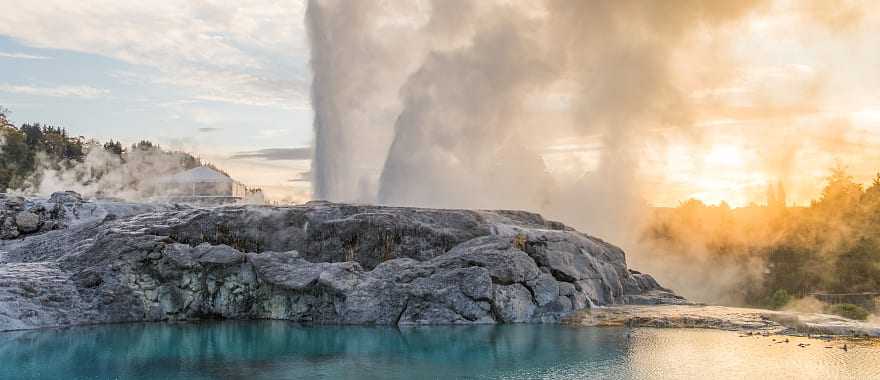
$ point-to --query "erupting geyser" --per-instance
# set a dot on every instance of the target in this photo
(453, 108)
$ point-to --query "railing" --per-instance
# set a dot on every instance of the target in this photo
(865, 299)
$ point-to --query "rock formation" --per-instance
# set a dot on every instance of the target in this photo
(103, 262)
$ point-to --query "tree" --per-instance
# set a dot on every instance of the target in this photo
(56, 149)
(4, 121)
(857, 269)
(144, 145)
(870, 209)
(792, 268)
(16, 158)
(114, 147)
(841, 194)
(778, 299)
(33, 134)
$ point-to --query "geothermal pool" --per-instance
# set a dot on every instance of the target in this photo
(276, 350)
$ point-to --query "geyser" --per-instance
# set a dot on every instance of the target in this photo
(439, 104)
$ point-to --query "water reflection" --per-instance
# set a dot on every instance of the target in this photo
(275, 349)
(726, 355)
(279, 349)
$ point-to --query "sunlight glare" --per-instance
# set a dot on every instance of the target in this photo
(725, 155)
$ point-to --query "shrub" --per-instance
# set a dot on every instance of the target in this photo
(778, 299)
(519, 241)
(848, 310)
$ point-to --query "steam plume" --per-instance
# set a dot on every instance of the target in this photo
(358, 63)
(472, 117)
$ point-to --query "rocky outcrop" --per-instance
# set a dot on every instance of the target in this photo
(320, 263)
(20, 216)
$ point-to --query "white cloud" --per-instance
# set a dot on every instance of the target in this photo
(22, 56)
(272, 133)
(247, 52)
(86, 92)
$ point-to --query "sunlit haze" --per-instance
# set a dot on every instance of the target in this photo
(782, 93)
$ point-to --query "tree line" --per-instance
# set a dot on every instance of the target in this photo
(784, 253)
(29, 149)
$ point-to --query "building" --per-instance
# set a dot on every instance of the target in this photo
(202, 185)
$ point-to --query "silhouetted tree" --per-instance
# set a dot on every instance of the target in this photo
(4, 114)
(114, 147)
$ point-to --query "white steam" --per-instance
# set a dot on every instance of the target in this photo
(459, 106)
(134, 177)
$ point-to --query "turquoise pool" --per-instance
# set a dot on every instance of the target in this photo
(281, 350)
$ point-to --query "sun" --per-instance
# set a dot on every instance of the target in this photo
(724, 156)
(718, 172)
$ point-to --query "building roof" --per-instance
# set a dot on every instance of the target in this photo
(200, 174)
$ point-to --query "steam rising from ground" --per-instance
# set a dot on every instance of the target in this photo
(551, 106)
(104, 174)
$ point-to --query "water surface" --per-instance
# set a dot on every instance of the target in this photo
(282, 350)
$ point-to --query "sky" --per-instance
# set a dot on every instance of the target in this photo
(230, 82)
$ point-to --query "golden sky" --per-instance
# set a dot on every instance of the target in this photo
(785, 93)
(706, 100)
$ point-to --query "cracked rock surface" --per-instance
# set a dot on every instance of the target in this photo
(107, 262)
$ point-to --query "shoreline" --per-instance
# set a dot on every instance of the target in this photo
(744, 320)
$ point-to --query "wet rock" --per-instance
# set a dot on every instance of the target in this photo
(545, 289)
(513, 303)
(320, 262)
(69, 197)
(21, 216)
(13, 202)
(217, 254)
(27, 221)
(286, 269)
(506, 264)
(8, 229)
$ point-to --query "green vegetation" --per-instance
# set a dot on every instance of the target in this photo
(29, 151)
(848, 310)
(778, 299)
(778, 252)
(23, 147)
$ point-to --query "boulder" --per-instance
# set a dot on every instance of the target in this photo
(8, 229)
(27, 222)
(24, 216)
(513, 303)
(13, 202)
(70, 197)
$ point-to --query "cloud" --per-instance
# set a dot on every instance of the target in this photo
(209, 129)
(273, 133)
(305, 176)
(275, 154)
(252, 53)
(86, 92)
(22, 56)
